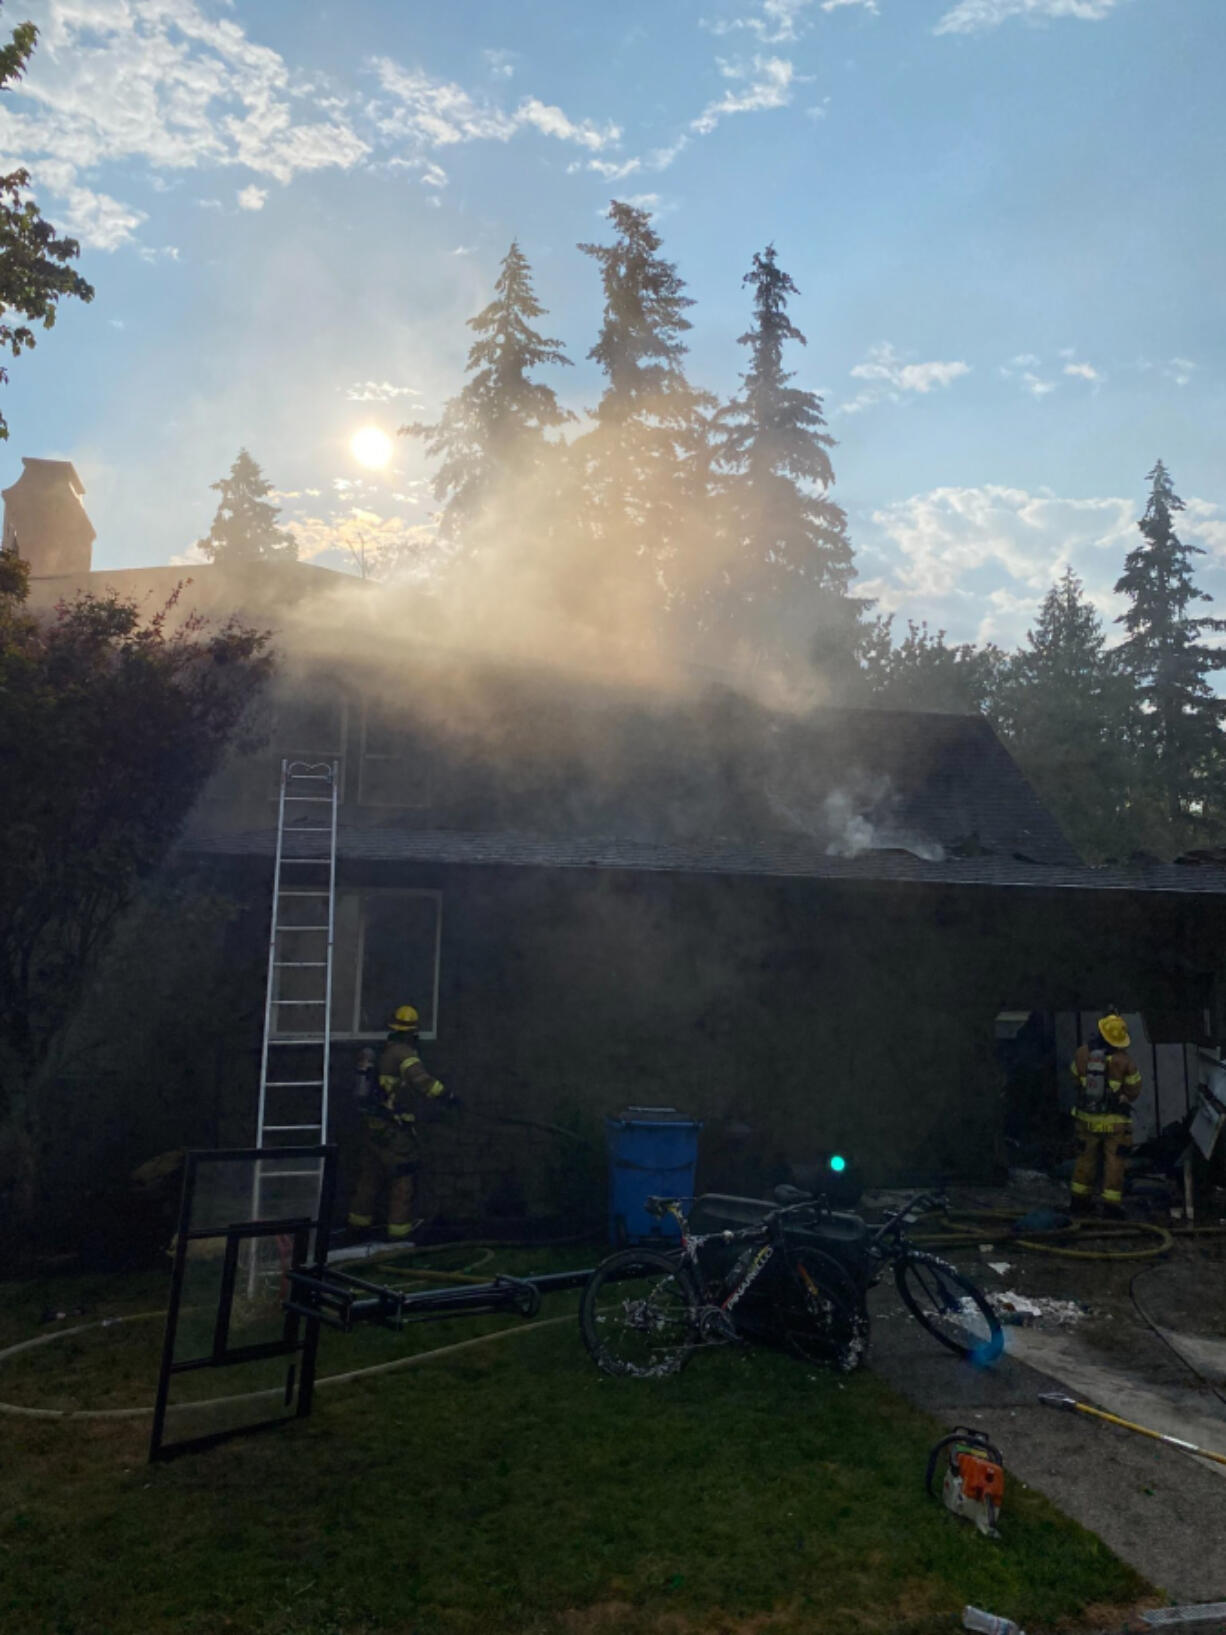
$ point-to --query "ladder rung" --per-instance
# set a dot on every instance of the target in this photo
(287, 1174)
(316, 1126)
(300, 1001)
(322, 800)
(304, 927)
(314, 829)
(322, 892)
(323, 860)
(302, 964)
(292, 1084)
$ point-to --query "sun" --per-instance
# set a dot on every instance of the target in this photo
(371, 447)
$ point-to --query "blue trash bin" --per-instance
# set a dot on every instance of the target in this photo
(653, 1151)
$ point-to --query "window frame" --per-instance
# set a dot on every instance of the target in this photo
(363, 797)
(364, 895)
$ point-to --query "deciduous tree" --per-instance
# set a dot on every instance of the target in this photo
(111, 724)
(34, 271)
(925, 672)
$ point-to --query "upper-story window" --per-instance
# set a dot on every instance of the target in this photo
(394, 767)
(309, 727)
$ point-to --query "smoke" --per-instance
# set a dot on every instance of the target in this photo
(860, 813)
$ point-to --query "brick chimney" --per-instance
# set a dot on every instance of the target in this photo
(44, 520)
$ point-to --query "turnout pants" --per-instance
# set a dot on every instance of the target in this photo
(1111, 1143)
(389, 1159)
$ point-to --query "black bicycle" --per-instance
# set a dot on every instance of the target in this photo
(942, 1299)
(644, 1312)
(801, 1278)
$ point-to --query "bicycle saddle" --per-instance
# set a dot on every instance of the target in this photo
(792, 1195)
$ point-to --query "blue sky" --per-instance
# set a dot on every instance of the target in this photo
(1005, 218)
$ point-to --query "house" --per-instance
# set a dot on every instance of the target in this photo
(811, 931)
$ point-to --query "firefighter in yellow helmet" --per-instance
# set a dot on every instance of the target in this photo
(1108, 1082)
(390, 1154)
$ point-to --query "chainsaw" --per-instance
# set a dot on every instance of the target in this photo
(973, 1481)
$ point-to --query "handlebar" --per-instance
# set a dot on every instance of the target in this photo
(657, 1208)
(896, 1219)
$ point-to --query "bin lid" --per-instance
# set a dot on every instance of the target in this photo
(650, 1115)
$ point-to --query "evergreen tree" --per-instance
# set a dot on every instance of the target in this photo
(245, 528)
(491, 436)
(787, 555)
(643, 470)
(924, 672)
(1177, 731)
(1062, 708)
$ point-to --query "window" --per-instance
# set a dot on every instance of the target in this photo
(309, 728)
(387, 952)
(394, 769)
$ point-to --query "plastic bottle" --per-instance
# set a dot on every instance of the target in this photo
(987, 1623)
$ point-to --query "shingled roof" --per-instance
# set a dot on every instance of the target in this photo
(779, 857)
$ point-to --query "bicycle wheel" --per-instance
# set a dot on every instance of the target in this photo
(637, 1314)
(825, 1317)
(949, 1306)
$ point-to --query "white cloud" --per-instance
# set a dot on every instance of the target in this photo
(1180, 370)
(463, 249)
(378, 391)
(431, 113)
(1022, 368)
(939, 547)
(613, 170)
(780, 21)
(390, 547)
(1204, 523)
(1084, 371)
(972, 16)
(890, 378)
(162, 82)
(98, 220)
(252, 198)
(770, 81)
(500, 64)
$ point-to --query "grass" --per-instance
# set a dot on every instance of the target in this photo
(509, 1490)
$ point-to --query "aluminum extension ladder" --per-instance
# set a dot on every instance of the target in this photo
(299, 988)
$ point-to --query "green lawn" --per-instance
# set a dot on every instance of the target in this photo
(507, 1489)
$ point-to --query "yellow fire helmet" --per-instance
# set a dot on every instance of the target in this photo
(1115, 1031)
(406, 1020)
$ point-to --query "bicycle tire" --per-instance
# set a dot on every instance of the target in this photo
(941, 1285)
(829, 1325)
(621, 1316)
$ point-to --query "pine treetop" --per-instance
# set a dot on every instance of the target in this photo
(640, 347)
(245, 528)
(494, 428)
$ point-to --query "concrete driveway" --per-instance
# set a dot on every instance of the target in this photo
(1162, 1511)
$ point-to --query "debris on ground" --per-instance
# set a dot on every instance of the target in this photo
(987, 1623)
(1038, 1311)
(1000, 1267)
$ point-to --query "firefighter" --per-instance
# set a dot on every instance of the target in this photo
(389, 1115)
(1108, 1083)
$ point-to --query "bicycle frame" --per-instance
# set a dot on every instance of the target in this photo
(767, 1233)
